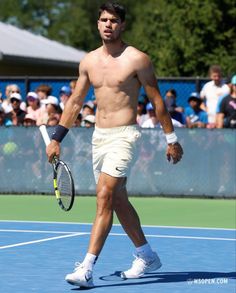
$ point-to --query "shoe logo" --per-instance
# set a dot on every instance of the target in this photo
(119, 169)
(88, 278)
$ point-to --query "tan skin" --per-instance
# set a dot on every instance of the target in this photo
(116, 71)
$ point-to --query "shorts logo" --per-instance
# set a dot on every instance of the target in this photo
(118, 169)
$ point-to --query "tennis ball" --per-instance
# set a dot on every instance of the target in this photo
(10, 148)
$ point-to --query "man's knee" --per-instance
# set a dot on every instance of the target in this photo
(104, 199)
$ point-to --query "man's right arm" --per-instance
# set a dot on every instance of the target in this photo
(75, 102)
(71, 111)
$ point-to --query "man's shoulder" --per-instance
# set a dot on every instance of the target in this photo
(136, 53)
(90, 55)
(137, 57)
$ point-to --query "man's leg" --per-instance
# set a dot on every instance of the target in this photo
(104, 214)
(128, 216)
(102, 224)
(146, 260)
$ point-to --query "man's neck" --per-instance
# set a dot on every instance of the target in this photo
(114, 48)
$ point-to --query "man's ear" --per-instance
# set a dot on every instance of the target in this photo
(123, 26)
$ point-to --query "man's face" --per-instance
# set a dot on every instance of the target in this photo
(15, 103)
(216, 77)
(110, 27)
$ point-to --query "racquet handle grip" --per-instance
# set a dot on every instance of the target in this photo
(45, 135)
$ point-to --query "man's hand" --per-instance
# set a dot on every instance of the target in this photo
(53, 150)
(174, 152)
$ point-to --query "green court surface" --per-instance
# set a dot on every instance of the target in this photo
(216, 213)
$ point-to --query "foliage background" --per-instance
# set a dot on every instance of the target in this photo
(183, 37)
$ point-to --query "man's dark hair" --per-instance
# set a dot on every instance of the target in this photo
(113, 8)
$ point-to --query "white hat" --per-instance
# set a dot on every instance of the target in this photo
(32, 95)
(30, 116)
(89, 118)
(89, 104)
(16, 96)
(50, 100)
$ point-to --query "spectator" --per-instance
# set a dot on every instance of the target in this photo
(65, 93)
(53, 120)
(89, 121)
(175, 111)
(78, 121)
(6, 104)
(227, 113)
(72, 85)
(195, 116)
(17, 115)
(52, 109)
(2, 117)
(29, 120)
(43, 91)
(141, 111)
(211, 92)
(88, 109)
(33, 104)
(153, 122)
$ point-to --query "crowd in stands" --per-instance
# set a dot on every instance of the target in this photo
(213, 107)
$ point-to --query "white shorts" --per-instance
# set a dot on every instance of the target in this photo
(114, 150)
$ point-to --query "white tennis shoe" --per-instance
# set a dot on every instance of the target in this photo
(81, 277)
(142, 266)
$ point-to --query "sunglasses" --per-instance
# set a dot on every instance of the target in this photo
(13, 100)
(30, 99)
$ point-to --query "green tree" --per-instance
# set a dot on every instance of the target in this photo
(183, 38)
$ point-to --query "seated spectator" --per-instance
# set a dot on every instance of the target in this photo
(43, 91)
(16, 116)
(175, 111)
(65, 93)
(153, 122)
(141, 112)
(211, 92)
(29, 120)
(195, 116)
(2, 117)
(78, 121)
(89, 121)
(72, 85)
(227, 114)
(52, 109)
(33, 104)
(53, 120)
(88, 109)
(6, 104)
(171, 102)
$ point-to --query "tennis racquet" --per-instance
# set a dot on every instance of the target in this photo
(62, 178)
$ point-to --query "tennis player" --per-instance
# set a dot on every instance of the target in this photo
(116, 70)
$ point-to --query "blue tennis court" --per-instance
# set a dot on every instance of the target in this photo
(36, 256)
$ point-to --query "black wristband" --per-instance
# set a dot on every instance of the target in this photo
(59, 133)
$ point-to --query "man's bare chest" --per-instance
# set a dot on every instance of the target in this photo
(111, 74)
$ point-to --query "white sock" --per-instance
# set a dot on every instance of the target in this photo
(145, 251)
(89, 261)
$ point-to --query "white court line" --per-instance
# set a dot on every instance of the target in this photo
(180, 237)
(41, 240)
(37, 231)
(111, 234)
(118, 225)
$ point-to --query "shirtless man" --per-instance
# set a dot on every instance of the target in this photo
(116, 70)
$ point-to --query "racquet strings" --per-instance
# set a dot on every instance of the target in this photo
(64, 185)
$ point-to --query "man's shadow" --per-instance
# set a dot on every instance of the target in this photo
(165, 277)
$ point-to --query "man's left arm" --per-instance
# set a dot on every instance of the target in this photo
(147, 78)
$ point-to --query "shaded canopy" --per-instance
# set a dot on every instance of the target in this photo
(24, 53)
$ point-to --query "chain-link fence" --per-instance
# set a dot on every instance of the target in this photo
(208, 167)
